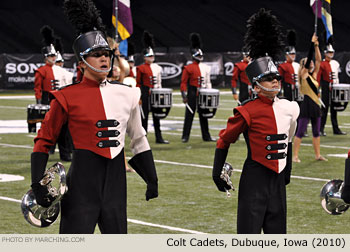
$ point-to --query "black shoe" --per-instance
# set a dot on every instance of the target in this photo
(66, 158)
(323, 133)
(185, 139)
(339, 133)
(162, 141)
(210, 139)
(306, 134)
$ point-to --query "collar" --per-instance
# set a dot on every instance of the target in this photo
(93, 82)
(266, 100)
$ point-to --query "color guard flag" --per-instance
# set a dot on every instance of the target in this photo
(324, 12)
(125, 28)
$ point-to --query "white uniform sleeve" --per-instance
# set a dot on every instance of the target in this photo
(136, 132)
(207, 77)
(295, 110)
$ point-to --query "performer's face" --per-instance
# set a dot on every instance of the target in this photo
(270, 84)
(330, 55)
(51, 60)
(149, 59)
(100, 60)
(290, 57)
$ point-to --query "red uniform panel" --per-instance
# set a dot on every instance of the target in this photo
(325, 71)
(190, 74)
(143, 75)
(239, 74)
(42, 80)
(286, 70)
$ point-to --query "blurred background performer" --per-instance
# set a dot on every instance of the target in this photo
(148, 76)
(268, 124)
(239, 75)
(289, 69)
(194, 76)
(100, 114)
(310, 107)
(44, 75)
(327, 76)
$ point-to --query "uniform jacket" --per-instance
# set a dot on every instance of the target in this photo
(239, 74)
(268, 126)
(99, 115)
(289, 72)
(197, 75)
(42, 80)
(149, 75)
(329, 71)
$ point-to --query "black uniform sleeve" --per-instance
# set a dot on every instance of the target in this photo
(309, 56)
(346, 191)
(219, 161)
(288, 168)
(143, 164)
(38, 162)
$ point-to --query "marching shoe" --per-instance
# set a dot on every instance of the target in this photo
(162, 141)
(322, 133)
(339, 132)
(184, 140)
(210, 139)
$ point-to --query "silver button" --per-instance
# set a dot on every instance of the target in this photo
(268, 147)
(268, 156)
(99, 134)
(99, 124)
(268, 138)
(100, 144)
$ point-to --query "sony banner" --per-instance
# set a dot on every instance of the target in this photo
(17, 70)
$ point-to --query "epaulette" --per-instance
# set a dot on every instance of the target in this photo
(117, 82)
(248, 100)
(74, 83)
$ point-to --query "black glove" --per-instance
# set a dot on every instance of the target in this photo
(346, 194)
(42, 196)
(219, 161)
(152, 191)
(288, 168)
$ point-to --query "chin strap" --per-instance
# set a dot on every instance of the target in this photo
(95, 69)
(51, 61)
(268, 89)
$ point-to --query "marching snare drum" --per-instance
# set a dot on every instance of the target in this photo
(341, 92)
(36, 113)
(208, 101)
(161, 101)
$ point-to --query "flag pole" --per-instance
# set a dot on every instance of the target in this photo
(116, 19)
(316, 13)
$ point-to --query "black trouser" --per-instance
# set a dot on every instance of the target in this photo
(243, 92)
(64, 142)
(146, 107)
(326, 99)
(261, 200)
(96, 195)
(192, 102)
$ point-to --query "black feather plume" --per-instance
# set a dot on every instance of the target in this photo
(196, 41)
(84, 15)
(58, 45)
(330, 41)
(291, 38)
(147, 39)
(131, 48)
(47, 33)
(263, 35)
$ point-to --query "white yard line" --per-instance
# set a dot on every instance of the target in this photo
(135, 221)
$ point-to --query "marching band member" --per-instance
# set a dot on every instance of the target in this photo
(148, 75)
(44, 75)
(194, 76)
(289, 69)
(327, 76)
(268, 124)
(245, 87)
(99, 114)
(310, 107)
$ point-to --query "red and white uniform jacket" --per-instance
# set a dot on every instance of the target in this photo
(99, 115)
(42, 80)
(239, 74)
(269, 125)
(289, 72)
(197, 75)
(329, 71)
(62, 76)
(149, 75)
